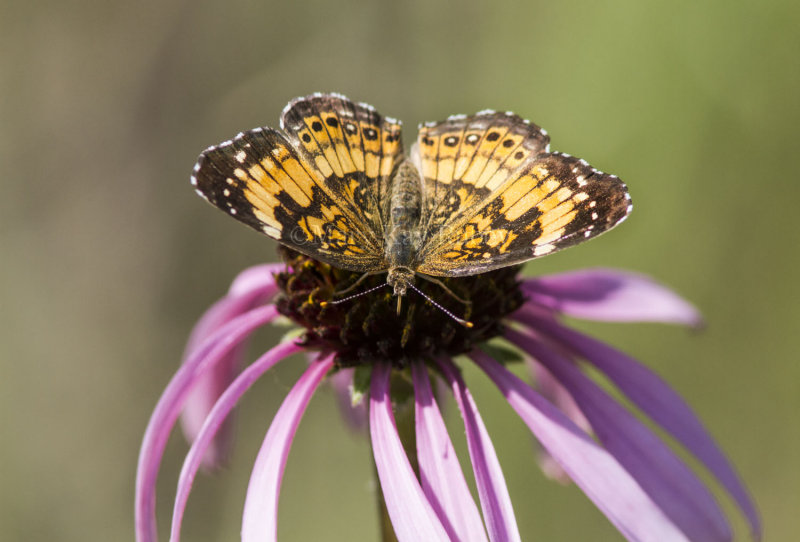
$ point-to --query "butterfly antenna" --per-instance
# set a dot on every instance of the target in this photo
(465, 323)
(348, 298)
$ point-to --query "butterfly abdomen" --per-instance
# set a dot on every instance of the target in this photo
(402, 234)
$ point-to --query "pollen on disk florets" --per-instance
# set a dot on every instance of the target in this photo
(368, 328)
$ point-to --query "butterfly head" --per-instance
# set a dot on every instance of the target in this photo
(400, 278)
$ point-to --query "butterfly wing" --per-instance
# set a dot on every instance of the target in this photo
(354, 148)
(311, 191)
(463, 159)
(519, 206)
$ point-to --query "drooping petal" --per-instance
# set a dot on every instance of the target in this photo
(611, 295)
(440, 472)
(498, 512)
(591, 467)
(251, 288)
(260, 519)
(656, 399)
(256, 278)
(668, 481)
(169, 406)
(554, 392)
(413, 518)
(214, 421)
(354, 415)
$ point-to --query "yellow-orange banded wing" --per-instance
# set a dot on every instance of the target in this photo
(352, 146)
(555, 202)
(260, 180)
(464, 159)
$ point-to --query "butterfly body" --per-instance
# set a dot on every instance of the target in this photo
(476, 193)
(403, 236)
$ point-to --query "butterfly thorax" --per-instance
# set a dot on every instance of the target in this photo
(403, 233)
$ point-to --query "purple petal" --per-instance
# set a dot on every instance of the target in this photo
(260, 520)
(258, 286)
(412, 517)
(656, 399)
(592, 468)
(254, 278)
(497, 510)
(554, 392)
(442, 479)
(163, 419)
(214, 421)
(611, 295)
(668, 481)
(354, 415)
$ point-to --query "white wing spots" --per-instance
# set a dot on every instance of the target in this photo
(583, 162)
(196, 167)
(193, 180)
(592, 204)
(574, 170)
(226, 193)
(241, 156)
(429, 124)
(547, 147)
(460, 116)
(627, 196)
(543, 249)
(472, 138)
(486, 112)
(392, 120)
(273, 232)
(594, 216)
(227, 143)
(232, 210)
(587, 233)
(200, 194)
(367, 107)
(581, 180)
(544, 132)
(230, 181)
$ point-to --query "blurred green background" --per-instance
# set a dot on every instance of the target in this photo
(108, 257)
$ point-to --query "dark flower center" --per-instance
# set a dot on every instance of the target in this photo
(368, 328)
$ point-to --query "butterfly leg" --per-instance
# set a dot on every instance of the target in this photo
(356, 283)
(445, 288)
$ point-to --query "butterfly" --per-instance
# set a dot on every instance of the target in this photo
(475, 193)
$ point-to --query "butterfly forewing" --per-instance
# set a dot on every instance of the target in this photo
(554, 202)
(259, 179)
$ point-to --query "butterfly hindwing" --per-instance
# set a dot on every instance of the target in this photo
(259, 179)
(354, 148)
(464, 159)
(553, 202)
